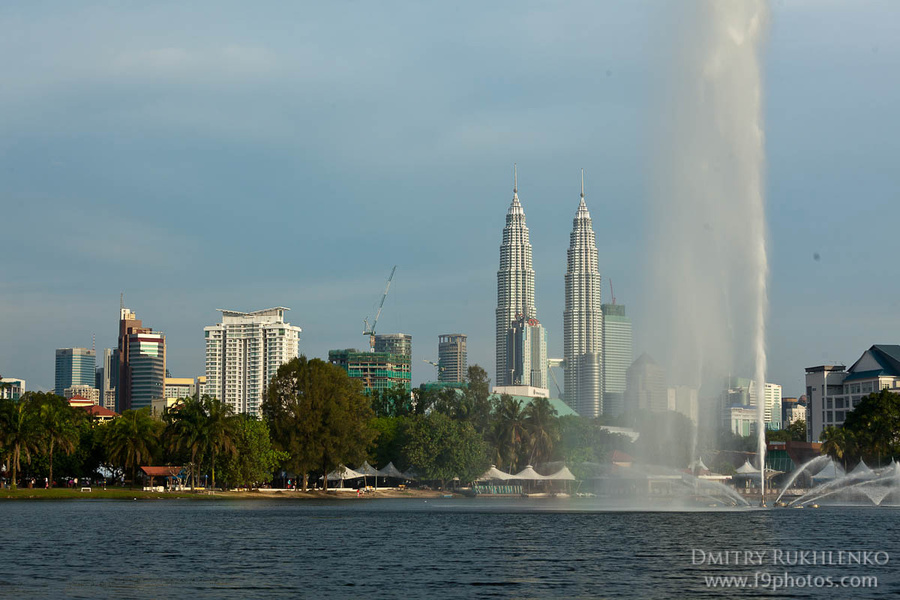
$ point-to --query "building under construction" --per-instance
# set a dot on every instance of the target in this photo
(376, 370)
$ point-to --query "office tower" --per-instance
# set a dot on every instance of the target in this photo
(452, 359)
(146, 367)
(617, 357)
(394, 343)
(739, 401)
(106, 377)
(128, 322)
(179, 387)
(243, 353)
(645, 388)
(526, 353)
(583, 318)
(375, 370)
(74, 366)
(515, 286)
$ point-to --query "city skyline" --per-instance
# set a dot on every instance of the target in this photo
(321, 148)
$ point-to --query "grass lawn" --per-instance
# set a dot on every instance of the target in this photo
(112, 493)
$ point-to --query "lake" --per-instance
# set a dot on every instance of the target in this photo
(439, 548)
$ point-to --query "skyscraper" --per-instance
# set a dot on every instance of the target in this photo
(141, 358)
(394, 343)
(515, 289)
(378, 371)
(526, 353)
(106, 377)
(243, 353)
(583, 318)
(617, 357)
(452, 357)
(74, 366)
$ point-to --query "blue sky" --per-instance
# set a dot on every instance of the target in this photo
(220, 155)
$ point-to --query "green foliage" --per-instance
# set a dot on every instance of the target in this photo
(57, 424)
(542, 427)
(254, 458)
(131, 440)
(318, 416)
(387, 446)
(203, 428)
(872, 429)
(19, 433)
(795, 432)
(438, 447)
(508, 436)
(395, 402)
(583, 440)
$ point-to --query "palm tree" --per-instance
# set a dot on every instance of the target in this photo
(838, 443)
(18, 435)
(186, 430)
(509, 430)
(221, 430)
(57, 426)
(132, 438)
(543, 429)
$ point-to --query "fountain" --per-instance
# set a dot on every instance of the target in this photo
(862, 485)
(710, 268)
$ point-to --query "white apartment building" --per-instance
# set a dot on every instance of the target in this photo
(832, 391)
(243, 353)
(87, 392)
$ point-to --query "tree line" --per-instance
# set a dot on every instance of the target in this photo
(871, 432)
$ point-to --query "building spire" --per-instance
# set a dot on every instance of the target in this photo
(582, 184)
(515, 178)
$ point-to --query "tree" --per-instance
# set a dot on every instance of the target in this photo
(387, 446)
(18, 433)
(254, 458)
(395, 402)
(441, 448)
(583, 440)
(131, 439)
(57, 425)
(477, 395)
(318, 415)
(186, 431)
(543, 429)
(220, 431)
(509, 432)
(874, 426)
(838, 443)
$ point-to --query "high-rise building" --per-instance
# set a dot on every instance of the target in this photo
(375, 370)
(179, 387)
(394, 343)
(583, 318)
(515, 285)
(526, 353)
(74, 366)
(739, 402)
(243, 353)
(617, 357)
(645, 387)
(146, 367)
(128, 323)
(452, 359)
(106, 376)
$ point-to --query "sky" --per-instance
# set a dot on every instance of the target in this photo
(237, 156)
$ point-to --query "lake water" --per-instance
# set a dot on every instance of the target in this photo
(445, 548)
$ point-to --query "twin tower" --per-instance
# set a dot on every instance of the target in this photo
(521, 339)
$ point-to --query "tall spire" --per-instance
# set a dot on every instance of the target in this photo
(582, 184)
(515, 179)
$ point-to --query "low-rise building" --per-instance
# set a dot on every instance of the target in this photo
(11, 388)
(833, 391)
(83, 391)
(179, 387)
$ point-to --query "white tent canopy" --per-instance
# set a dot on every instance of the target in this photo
(746, 469)
(563, 474)
(389, 470)
(367, 470)
(341, 473)
(495, 473)
(528, 474)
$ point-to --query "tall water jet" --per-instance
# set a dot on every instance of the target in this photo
(709, 267)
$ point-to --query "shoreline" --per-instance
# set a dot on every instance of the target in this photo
(266, 494)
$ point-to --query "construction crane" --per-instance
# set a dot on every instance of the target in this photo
(555, 362)
(439, 368)
(370, 331)
(612, 292)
